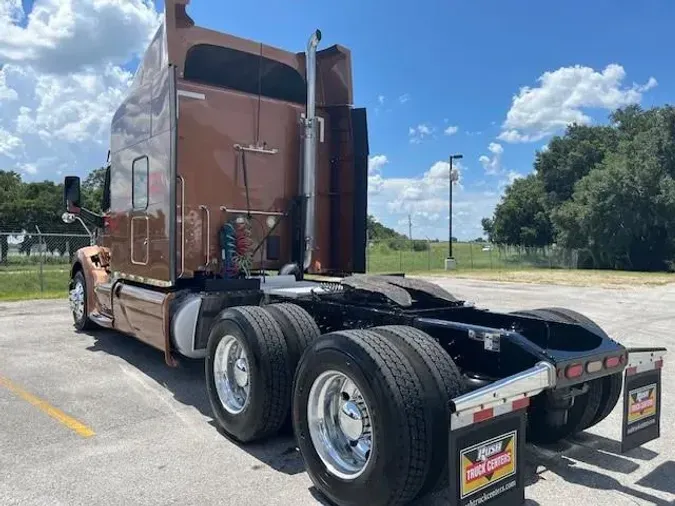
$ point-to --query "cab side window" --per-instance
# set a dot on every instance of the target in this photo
(139, 175)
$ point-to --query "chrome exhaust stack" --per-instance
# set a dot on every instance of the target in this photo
(308, 189)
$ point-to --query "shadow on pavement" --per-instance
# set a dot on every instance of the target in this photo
(559, 459)
(605, 444)
(662, 478)
(186, 383)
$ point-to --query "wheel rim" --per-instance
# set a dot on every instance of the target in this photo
(231, 375)
(77, 300)
(340, 425)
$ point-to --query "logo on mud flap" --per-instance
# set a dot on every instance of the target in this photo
(641, 403)
(488, 462)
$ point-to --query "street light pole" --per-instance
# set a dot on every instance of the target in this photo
(452, 177)
(450, 214)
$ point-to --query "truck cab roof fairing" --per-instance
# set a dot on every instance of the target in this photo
(334, 74)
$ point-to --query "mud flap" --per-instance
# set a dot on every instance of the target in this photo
(642, 398)
(487, 461)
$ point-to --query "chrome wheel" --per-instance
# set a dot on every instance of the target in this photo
(230, 371)
(339, 425)
(77, 300)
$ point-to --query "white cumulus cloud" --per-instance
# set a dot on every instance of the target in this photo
(561, 98)
(62, 76)
(375, 180)
(375, 164)
(492, 164)
(451, 130)
(8, 143)
(63, 36)
(418, 133)
(425, 198)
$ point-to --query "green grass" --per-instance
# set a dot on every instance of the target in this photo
(27, 284)
(33, 268)
(382, 258)
(21, 281)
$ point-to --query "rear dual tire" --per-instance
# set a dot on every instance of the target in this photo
(369, 407)
(252, 353)
(404, 379)
(248, 374)
(589, 408)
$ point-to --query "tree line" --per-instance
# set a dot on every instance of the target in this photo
(606, 191)
(26, 207)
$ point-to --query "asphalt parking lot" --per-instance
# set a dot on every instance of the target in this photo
(100, 419)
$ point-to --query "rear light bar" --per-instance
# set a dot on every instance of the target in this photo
(576, 370)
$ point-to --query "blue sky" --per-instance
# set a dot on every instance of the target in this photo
(419, 68)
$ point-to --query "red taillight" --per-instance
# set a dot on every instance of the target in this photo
(574, 371)
(612, 362)
(658, 364)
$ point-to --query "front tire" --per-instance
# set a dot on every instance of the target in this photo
(79, 305)
(358, 413)
(248, 375)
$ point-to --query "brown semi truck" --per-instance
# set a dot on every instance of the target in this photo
(234, 232)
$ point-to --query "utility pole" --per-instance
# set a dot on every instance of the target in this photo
(452, 176)
(410, 229)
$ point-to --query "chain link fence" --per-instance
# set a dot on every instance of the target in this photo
(37, 263)
(427, 256)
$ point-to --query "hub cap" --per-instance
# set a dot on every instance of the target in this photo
(77, 300)
(230, 371)
(339, 425)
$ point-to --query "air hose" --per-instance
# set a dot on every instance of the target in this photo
(236, 248)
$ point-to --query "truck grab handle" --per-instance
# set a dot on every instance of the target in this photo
(208, 234)
(182, 225)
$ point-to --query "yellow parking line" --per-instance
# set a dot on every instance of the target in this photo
(47, 408)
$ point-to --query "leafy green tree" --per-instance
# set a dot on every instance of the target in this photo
(92, 189)
(379, 232)
(623, 212)
(521, 218)
(488, 227)
(571, 157)
(605, 191)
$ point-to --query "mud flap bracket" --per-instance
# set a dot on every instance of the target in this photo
(487, 439)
